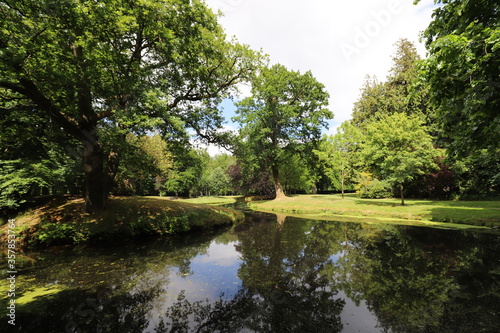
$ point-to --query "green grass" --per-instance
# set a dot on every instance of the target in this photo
(478, 213)
(63, 220)
(220, 200)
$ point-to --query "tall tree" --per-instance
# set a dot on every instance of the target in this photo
(185, 175)
(463, 72)
(284, 114)
(398, 148)
(398, 93)
(119, 65)
(372, 101)
(403, 72)
(215, 179)
(337, 152)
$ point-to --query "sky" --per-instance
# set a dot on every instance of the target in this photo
(340, 42)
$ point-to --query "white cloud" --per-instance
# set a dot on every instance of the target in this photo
(213, 149)
(220, 255)
(313, 35)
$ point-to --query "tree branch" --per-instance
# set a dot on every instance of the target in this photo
(30, 90)
(103, 114)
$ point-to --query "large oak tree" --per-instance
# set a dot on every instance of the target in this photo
(116, 65)
(284, 115)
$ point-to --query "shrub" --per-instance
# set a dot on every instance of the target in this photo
(60, 233)
(159, 225)
(369, 188)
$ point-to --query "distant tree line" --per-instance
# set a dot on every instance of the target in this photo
(396, 144)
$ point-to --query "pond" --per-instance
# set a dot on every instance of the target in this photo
(271, 273)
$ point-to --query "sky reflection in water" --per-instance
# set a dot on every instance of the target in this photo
(275, 275)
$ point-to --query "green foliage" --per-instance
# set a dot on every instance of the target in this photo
(479, 175)
(463, 72)
(338, 155)
(95, 69)
(185, 175)
(398, 94)
(31, 164)
(159, 225)
(17, 179)
(397, 148)
(369, 188)
(52, 234)
(371, 102)
(145, 161)
(283, 116)
(215, 179)
(296, 176)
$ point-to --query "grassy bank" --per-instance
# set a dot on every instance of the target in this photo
(478, 213)
(63, 220)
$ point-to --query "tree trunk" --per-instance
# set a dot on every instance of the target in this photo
(342, 176)
(277, 184)
(95, 178)
(112, 165)
(402, 196)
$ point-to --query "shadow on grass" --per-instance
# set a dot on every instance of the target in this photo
(467, 215)
(380, 203)
(463, 204)
(493, 205)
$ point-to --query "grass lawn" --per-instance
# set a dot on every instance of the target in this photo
(224, 200)
(479, 213)
(63, 220)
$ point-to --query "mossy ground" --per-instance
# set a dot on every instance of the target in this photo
(63, 220)
(475, 213)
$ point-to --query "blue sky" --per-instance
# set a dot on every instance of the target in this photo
(228, 110)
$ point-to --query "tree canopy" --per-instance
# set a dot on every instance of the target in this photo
(398, 148)
(285, 113)
(118, 66)
(463, 72)
(398, 93)
(337, 153)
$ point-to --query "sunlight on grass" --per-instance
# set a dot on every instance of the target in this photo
(481, 213)
(222, 200)
(64, 221)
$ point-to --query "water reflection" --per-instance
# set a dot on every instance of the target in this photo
(274, 274)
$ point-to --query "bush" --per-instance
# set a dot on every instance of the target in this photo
(369, 188)
(159, 225)
(61, 234)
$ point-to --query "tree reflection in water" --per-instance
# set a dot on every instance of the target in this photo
(293, 275)
(283, 288)
(412, 279)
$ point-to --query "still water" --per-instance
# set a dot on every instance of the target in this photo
(268, 274)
